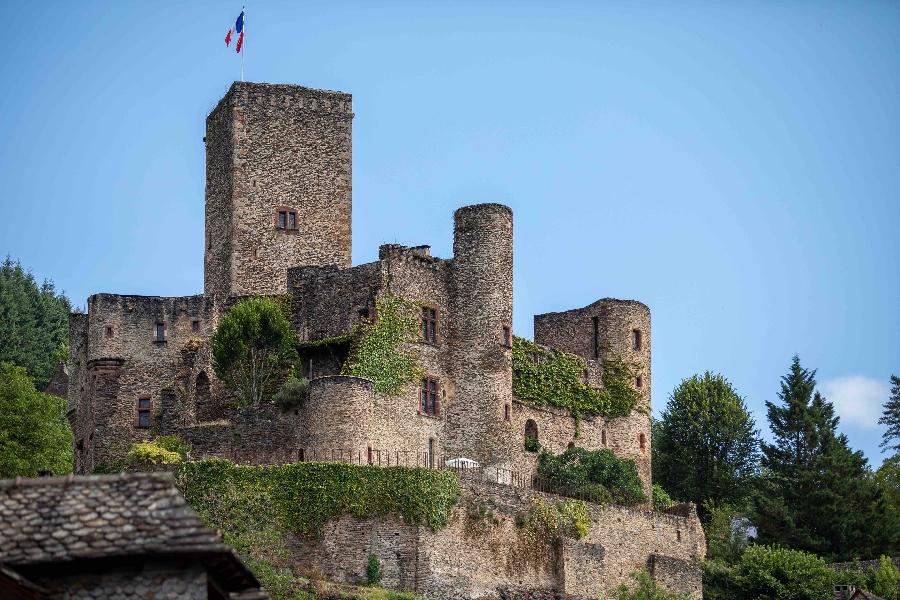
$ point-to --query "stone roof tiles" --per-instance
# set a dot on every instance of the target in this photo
(67, 518)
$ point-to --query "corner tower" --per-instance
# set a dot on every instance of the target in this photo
(278, 186)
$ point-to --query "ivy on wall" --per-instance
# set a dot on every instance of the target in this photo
(382, 348)
(302, 497)
(551, 377)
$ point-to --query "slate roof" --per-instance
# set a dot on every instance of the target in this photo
(63, 519)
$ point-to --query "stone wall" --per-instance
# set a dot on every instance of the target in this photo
(483, 553)
(156, 579)
(274, 148)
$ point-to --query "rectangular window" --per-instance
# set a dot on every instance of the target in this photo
(596, 338)
(505, 337)
(282, 220)
(428, 402)
(109, 331)
(636, 339)
(506, 411)
(638, 382)
(195, 326)
(143, 408)
(429, 324)
(292, 220)
(160, 332)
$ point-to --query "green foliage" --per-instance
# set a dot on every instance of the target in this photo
(381, 349)
(544, 377)
(887, 477)
(149, 453)
(34, 323)
(645, 589)
(818, 495)
(724, 541)
(532, 444)
(173, 443)
(782, 574)
(251, 348)
(293, 393)
(34, 432)
(706, 445)
(891, 417)
(302, 497)
(601, 473)
(574, 519)
(883, 580)
(661, 499)
(374, 572)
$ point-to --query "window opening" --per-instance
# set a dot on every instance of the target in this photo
(603, 437)
(428, 404)
(282, 220)
(596, 337)
(144, 411)
(636, 339)
(638, 382)
(570, 445)
(109, 331)
(531, 436)
(642, 440)
(160, 332)
(506, 412)
(430, 453)
(369, 455)
(429, 324)
(505, 336)
(195, 326)
(292, 221)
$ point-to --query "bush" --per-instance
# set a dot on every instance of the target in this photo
(532, 444)
(661, 499)
(173, 443)
(599, 472)
(646, 589)
(772, 572)
(293, 393)
(149, 453)
(374, 572)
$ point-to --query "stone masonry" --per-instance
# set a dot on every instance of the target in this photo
(278, 221)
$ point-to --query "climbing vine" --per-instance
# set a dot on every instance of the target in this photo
(542, 377)
(382, 349)
(302, 497)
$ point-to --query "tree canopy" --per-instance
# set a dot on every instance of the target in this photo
(706, 445)
(34, 432)
(34, 323)
(613, 479)
(818, 494)
(252, 346)
(891, 418)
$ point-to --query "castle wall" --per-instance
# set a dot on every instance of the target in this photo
(481, 305)
(118, 359)
(274, 148)
(487, 557)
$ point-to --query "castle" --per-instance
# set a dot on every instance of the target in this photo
(278, 222)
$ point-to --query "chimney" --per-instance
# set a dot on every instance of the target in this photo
(843, 592)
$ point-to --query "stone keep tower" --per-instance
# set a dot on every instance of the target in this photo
(278, 186)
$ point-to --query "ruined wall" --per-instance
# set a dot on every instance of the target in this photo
(481, 304)
(483, 553)
(271, 148)
(116, 358)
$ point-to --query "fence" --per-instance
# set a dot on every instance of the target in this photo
(408, 458)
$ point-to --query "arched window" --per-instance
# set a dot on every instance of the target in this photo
(531, 436)
(642, 440)
(571, 445)
(203, 399)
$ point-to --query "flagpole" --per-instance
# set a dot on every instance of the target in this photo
(242, 45)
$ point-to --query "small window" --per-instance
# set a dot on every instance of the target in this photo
(287, 219)
(636, 339)
(143, 411)
(292, 220)
(429, 324)
(282, 220)
(638, 382)
(109, 331)
(506, 412)
(570, 445)
(596, 323)
(642, 440)
(428, 401)
(603, 438)
(505, 337)
(195, 326)
(363, 313)
(160, 332)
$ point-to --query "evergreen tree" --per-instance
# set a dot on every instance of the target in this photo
(34, 323)
(818, 495)
(706, 445)
(891, 417)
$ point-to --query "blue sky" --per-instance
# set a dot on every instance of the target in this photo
(732, 165)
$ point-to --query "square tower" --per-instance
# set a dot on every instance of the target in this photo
(278, 186)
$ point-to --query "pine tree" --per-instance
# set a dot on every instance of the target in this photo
(891, 417)
(819, 495)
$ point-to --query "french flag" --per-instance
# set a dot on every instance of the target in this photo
(238, 30)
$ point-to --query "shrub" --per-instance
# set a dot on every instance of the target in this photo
(374, 572)
(293, 393)
(661, 499)
(782, 574)
(599, 472)
(646, 589)
(149, 453)
(173, 443)
(532, 444)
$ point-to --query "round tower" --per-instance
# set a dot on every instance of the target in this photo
(339, 417)
(478, 417)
